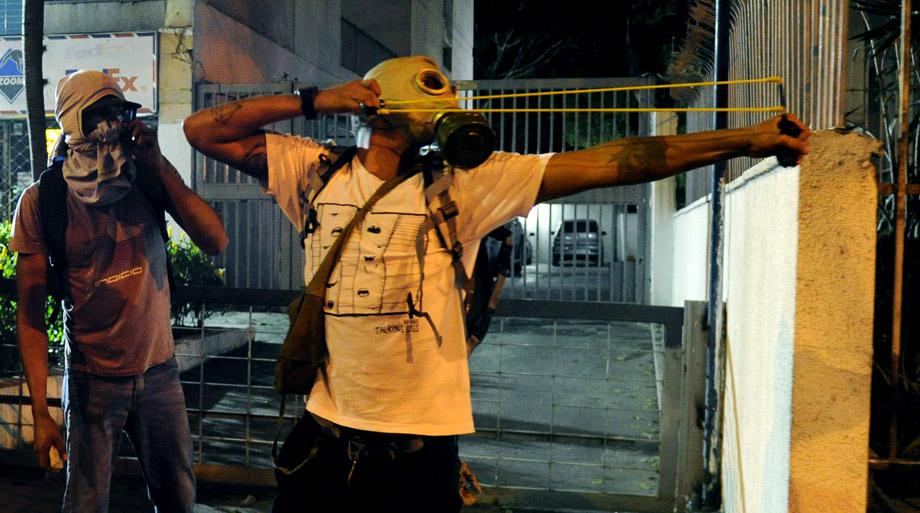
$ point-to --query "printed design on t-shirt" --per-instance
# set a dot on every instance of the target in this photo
(131, 245)
(379, 266)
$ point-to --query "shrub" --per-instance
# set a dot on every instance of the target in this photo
(9, 355)
(190, 266)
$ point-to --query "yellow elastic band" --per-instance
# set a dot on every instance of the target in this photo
(775, 108)
(774, 80)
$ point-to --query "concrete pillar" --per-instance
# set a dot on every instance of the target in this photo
(176, 60)
(835, 293)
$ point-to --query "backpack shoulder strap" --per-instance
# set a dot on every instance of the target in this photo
(329, 163)
(52, 208)
(442, 217)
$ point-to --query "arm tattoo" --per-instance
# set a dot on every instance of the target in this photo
(639, 154)
(255, 163)
(223, 113)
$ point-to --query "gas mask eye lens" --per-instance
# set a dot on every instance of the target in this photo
(433, 82)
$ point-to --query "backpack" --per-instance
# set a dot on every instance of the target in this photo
(52, 207)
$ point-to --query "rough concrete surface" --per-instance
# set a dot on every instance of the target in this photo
(833, 325)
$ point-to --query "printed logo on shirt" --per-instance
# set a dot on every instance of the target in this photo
(407, 326)
(379, 266)
(120, 276)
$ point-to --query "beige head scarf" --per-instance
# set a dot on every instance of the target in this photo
(97, 168)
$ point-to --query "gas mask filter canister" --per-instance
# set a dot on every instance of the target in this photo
(465, 138)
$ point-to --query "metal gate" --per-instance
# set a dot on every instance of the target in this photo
(587, 247)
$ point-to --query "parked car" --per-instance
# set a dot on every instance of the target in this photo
(578, 239)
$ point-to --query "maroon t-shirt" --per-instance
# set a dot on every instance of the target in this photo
(118, 323)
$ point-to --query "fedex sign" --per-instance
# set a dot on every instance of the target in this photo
(127, 83)
(130, 58)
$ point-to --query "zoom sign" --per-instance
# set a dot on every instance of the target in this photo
(12, 79)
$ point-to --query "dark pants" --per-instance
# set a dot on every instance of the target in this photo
(150, 407)
(361, 471)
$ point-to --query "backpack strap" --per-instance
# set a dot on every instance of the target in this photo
(442, 217)
(329, 163)
(52, 208)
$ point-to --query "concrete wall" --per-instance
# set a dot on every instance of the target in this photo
(229, 52)
(798, 282)
(88, 17)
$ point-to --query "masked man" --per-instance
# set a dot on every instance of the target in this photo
(121, 373)
(394, 393)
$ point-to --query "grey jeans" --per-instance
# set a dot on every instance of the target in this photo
(150, 408)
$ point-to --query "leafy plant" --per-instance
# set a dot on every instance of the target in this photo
(190, 266)
(9, 354)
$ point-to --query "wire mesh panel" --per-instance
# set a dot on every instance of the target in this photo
(15, 164)
(567, 406)
(589, 246)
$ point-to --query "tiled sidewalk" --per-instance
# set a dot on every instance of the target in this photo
(29, 490)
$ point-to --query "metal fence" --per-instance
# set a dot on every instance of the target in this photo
(803, 41)
(577, 405)
(15, 167)
(554, 257)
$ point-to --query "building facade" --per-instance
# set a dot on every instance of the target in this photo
(164, 48)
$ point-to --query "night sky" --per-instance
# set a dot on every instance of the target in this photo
(596, 39)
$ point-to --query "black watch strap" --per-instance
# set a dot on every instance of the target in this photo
(307, 95)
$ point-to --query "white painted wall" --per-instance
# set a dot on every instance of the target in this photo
(689, 266)
(798, 282)
(759, 277)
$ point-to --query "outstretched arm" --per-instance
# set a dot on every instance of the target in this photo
(193, 213)
(643, 159)
(232, 134)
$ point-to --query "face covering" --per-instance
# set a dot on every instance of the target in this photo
(97, 168)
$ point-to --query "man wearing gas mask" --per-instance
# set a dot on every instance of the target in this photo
(394, 391)
(121, 373)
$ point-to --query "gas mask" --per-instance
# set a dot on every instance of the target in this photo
(464, 138)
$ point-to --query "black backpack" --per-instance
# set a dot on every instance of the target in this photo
(52, 208)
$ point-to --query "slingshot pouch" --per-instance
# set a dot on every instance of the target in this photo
(304, 350)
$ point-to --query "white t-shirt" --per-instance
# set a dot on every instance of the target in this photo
(386, 371)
